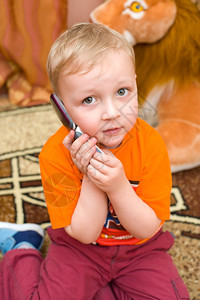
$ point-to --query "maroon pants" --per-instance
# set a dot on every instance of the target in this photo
(73, 270)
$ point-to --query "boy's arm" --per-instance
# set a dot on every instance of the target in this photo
(90, 213)
(137, 217)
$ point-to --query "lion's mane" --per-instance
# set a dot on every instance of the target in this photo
(176, 56)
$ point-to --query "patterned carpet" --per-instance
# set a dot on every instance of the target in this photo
(24, 131)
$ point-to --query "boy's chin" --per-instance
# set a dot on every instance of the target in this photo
(112, 142)
(109, 146)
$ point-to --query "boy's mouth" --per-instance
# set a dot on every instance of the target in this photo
(112, 131)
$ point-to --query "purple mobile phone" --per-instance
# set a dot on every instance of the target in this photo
(65, 117)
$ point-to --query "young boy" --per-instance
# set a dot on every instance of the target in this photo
(106, 210)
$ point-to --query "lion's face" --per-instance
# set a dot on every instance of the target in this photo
(141, 21)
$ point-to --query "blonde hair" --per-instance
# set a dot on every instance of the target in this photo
(81, 47)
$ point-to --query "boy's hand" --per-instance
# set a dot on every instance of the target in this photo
(82, 149)
(106, 171)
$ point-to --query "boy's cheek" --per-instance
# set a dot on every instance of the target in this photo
(88, 125)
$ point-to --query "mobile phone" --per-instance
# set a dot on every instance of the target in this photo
(65, 118)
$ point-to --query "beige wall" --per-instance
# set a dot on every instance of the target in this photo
(79, 10)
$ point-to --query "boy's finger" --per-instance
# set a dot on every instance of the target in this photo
(85, 160)
(107, 157)
(84, 147)
(68, 140)
(108, 152)
(101, 167)
(78, 143)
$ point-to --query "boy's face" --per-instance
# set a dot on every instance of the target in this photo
(103, 101)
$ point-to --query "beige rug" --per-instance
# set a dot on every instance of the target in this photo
(23, 131)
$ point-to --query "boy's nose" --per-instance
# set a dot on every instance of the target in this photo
(110, 111)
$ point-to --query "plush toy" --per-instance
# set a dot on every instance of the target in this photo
(166, 39)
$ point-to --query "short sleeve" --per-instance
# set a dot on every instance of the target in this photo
(61, 184)
(156, 179)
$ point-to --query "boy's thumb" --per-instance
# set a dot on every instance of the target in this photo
(68, 140)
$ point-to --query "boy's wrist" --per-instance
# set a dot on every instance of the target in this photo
(91, 185)
(119, 189)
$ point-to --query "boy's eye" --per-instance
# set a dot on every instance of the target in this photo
(122, 92)
(89, 100)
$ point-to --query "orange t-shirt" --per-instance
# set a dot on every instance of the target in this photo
(146, 164)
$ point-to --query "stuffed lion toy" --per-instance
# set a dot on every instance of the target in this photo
(165, 35)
